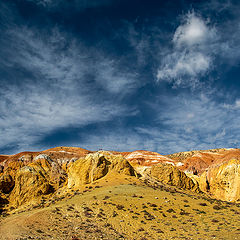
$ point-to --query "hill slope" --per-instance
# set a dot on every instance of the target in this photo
(73, 193)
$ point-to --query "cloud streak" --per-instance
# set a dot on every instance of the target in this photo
(53, 81)
(194, 121)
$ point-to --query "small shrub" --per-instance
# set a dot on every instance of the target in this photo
(216, 207)
(120, 207)
(170, 210)
(203, 204)
(106, 197)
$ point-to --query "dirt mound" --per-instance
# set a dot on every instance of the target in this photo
(28, 176)
(61, 155)
(216, 171)
(3, 157)
(130, 210)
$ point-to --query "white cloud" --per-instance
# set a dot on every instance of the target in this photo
(56, 90)
(193, 31)
(190, 115)
(113, 80)
(234, 106)
(184, 68)
(192, 54)
(237, 103)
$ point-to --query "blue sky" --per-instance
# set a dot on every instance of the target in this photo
(119, 75)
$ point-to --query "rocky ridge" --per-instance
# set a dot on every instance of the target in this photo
(27, 177)
(95, 166)
(147, 158)
(211, 170)
(198, 161)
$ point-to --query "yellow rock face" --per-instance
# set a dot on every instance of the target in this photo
(95, 166)
(222, 181)
(169, 174)
(31, 182)
(28, 178)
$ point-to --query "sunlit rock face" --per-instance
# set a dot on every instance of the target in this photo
(38, 178)
(171, 175)
(215, 170)
(29, 176)
(95, 166)
(222, 181)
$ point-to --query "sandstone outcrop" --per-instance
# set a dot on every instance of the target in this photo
(95, 166)
(222, 181)
(171, 175)
(216, 171)
(27, 176)
(31, 182)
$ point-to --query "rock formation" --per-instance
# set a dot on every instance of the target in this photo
(171, 175)
(146, 158)
(95, 166)
(222, 181)
(197, 162)
(28, 176)
(31, 182)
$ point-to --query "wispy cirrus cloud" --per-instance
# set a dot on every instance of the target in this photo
(194, 121)
(50, 80)
(186, 122)
(193, 31)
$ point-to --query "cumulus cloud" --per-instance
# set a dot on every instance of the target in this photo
(184, 68)
(193, 31)
(192, 52)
